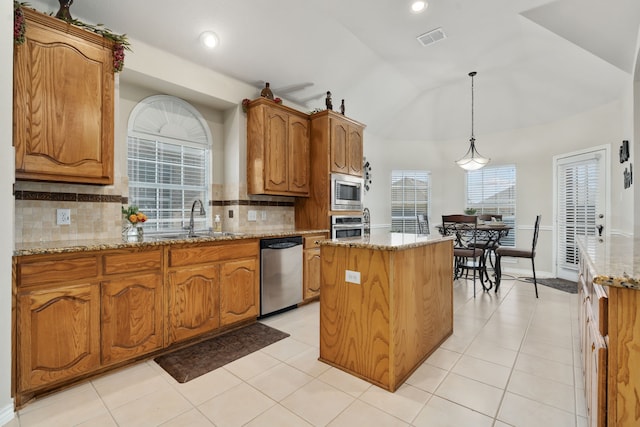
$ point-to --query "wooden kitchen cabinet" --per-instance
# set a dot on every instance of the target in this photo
(346, 146)
(239, 295)
(277, 149)
(58, 334)
(63, 103)
(311, 267)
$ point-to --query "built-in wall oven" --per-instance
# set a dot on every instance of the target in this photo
(347, 226)
(346, 192)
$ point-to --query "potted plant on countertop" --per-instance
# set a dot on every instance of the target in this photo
(470, 211)
(132, 230)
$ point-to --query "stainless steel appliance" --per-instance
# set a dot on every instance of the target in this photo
(346, 192)
(280, 274)
(347, 226)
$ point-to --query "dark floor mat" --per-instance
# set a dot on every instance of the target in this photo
(191, 362)
(560, 284)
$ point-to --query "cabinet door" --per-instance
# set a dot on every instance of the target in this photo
(355, 151)
(239, 291)
(339, 140)
(298, 157)
(276, 151)
(596, 378)
(194, 302)
(63, 104)
(131, 317)
(58, 334)
(311, 273)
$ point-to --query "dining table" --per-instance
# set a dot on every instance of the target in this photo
(489, 233)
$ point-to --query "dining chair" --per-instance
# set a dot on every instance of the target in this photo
(423, 224)
(504, 251)
(467, 255)
(489, 246)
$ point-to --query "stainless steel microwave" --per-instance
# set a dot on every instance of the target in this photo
(346, 192)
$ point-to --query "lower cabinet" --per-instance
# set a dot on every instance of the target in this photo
(194, 302)
(239, 295)
(58, 334)
(131, 317)
(311, 270)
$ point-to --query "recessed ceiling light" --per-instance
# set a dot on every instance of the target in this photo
(209, 39)
(419, 6)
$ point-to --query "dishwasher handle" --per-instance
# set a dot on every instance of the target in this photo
(282, 245)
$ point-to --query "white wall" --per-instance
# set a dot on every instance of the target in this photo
(7, 167)
(531, 150)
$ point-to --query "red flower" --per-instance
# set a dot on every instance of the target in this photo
(277, 100)
(245, 105)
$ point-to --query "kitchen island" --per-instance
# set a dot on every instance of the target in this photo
(386, 303)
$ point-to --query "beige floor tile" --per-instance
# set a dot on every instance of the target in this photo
(286, 349)
(346, 382)
(457, 343)
(206, 386)
(67, 395)
(501, 424)
(236, 407)
(280, 381)
(129, 384)
(278, 416)
(483, 371)
(362, 414)
(65, 409)
(443, 358)
(13, 423)
(251, 365)
(547, 351)
(192, 418)
(545, 368)
(473, 394)
(404, 403)
(427, 377)
(317, 402)
(308, 362)
(522, 412)
(549, 392)
(444, 413)
(491, 353)
(152, 409)
(105, 420)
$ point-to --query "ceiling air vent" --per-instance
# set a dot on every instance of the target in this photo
(431, 37)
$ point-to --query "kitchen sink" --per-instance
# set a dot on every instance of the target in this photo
(202, 234)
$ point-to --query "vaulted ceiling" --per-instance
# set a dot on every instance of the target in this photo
(537, 60)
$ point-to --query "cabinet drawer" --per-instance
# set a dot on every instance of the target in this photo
(218, 252)
(311, 242)
(599, 307)
(131, 261)
(57, 270)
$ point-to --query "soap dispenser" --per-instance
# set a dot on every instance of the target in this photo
(217, 224)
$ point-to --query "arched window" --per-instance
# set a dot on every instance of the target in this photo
(168, 160)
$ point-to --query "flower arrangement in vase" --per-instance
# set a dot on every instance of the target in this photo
(132, 221)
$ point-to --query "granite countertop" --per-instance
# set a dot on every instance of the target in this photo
(56, 247)
(387, 241)
(615, 260)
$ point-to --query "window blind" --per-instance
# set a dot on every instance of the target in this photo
(577, 204)
(492, 190)
(410, 196)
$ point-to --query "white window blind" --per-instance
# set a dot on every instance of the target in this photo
(492, 190)
(168, 157)
(410, 196)
(577, 205)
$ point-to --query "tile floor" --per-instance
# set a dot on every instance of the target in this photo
(512, 361)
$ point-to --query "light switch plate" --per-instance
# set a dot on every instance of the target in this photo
(252, 216)
(352, 276)
(63, 216)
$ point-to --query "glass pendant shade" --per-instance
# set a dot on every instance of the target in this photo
(472, 160)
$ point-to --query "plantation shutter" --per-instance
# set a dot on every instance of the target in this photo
(410, 196)
(492, 190)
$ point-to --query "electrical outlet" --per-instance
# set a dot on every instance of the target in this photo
(352, 276)
(63, 216)
(264, 215)
(230, 213)
(252, 216)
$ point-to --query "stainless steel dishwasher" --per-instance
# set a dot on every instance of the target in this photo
(280, 274)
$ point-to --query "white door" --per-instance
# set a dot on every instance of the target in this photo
(580, 204)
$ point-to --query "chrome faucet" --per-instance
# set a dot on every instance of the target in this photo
(191, 223)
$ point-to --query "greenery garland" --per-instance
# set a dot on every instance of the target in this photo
(120, 41)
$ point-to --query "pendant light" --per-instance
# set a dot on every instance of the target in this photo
(472, 160)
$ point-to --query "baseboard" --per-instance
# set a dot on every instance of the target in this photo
(7, 414)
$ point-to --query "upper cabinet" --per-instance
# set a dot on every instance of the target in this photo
(63, 103)
(346, 146)
(277, 149)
